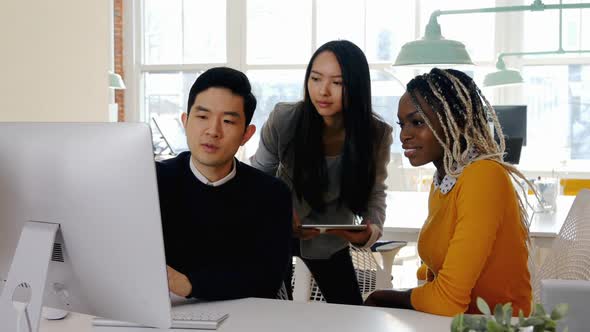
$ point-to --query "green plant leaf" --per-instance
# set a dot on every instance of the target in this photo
(483, 307)
(482, 322)
(520, 317)
(550, 325)
(470, 321)
(508, 316)
(499, 313)
(539, 310)
(533, 321)
(457, 323)
(559, 311)
(492, 326)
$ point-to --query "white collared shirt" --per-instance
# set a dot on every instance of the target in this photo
(448, 182)
(204, 180)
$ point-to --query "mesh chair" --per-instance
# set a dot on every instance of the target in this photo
(282, 294)
(369, 273)
(573, 292)
(569, 258)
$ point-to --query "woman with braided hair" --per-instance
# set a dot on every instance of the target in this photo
(474, 241)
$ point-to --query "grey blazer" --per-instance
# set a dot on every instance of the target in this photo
(278, 132)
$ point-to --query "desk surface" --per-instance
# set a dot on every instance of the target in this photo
(249, 315)
(407, 211)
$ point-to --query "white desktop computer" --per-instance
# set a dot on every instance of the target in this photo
(80, 225)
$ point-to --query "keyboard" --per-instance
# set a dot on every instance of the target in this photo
(196, 319)
(182, 318)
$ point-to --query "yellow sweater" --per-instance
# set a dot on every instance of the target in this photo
(474, 245)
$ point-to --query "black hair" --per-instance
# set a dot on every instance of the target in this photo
(357, 177)
(463, 113)
(464, 106)
(224, 77)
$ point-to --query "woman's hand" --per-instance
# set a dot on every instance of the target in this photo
(355, 237)
(391, 299)
(303, 234)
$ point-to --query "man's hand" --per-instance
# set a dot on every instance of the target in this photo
(304, 234)
(178, 283)
(354, 237)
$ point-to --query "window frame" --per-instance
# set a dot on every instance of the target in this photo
(508, 31)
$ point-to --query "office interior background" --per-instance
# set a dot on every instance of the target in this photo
(55, 59)
(56, 56)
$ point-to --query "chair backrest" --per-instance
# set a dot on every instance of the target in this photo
(282, 294)
(573, 292)
(570, 254)
(366, 268)
(172, 132)
(367, 273)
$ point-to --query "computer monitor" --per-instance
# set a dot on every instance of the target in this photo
(81, 203)
(512, 119)
(513, 149)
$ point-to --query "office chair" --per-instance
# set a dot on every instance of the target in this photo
(573, 292)
(564, 276)
(283, 294)
(370, 274)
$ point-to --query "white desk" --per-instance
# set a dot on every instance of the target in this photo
(407, 211)
(261, 315)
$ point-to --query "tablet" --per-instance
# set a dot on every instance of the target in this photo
(323, 228)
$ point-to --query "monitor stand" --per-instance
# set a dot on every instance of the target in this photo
(28, 270)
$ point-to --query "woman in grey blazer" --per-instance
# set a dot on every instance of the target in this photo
(332, 151)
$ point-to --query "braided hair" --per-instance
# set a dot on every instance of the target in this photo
(463, 113)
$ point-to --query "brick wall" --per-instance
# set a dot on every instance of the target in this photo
(118, 40)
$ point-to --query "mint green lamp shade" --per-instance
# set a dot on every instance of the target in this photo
(115, 81)
(503, 76)
(433, 49)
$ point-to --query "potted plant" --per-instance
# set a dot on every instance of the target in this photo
(502, 320)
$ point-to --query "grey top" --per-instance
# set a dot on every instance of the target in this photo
(276, 133)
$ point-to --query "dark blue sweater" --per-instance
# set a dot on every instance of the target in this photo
(231, 241)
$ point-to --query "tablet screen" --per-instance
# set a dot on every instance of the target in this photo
(345, 227)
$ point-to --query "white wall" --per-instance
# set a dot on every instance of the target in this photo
(54, 58)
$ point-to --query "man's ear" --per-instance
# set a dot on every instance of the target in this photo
(184, 118)
(250, 130)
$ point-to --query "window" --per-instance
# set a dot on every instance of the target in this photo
(278, 38)
(272, 40)
(558, 99)
(179, 42)
(279, 32)
(177, 32)
(556, 89)
(542, 29)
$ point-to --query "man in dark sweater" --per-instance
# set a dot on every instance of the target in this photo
(227, 226)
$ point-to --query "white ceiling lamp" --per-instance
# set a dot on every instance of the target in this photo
(434, 49)
(505, 76)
